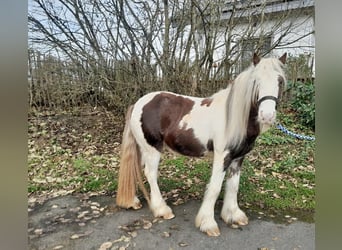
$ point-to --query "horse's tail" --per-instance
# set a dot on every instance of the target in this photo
(130, 173)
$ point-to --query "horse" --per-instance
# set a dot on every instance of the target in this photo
(226, 123)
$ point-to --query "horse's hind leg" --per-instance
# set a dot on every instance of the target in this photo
(157, 205)
(231, 213)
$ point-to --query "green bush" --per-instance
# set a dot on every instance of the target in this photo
(303, 103)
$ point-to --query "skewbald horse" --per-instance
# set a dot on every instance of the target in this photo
(226, 123)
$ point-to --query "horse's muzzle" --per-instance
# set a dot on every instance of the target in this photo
(267, 117)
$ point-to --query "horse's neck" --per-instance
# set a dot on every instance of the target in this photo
(239, 110)
(221, 94)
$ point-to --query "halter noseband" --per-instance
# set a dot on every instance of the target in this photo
(268, 97)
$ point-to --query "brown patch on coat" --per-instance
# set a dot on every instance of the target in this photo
(235, 168)
(238, 152)
(207, 102)
(210, 145)
(160, 124)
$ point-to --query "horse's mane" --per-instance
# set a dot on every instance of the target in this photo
(244, 93)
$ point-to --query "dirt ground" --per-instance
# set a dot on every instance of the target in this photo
(94, 222)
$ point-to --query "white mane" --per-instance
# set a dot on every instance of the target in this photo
(244, 92)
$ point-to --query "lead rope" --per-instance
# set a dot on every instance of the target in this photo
(298, 136)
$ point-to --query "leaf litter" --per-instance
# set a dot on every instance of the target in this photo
(79, 152)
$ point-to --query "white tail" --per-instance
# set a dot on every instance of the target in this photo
(130, 169)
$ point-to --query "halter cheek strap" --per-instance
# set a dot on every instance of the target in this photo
(267, 97)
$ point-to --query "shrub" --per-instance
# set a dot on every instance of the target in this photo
(303, 103)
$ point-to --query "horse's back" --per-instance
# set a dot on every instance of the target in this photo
(164, 118)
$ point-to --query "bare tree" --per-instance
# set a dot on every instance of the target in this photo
(189, 46)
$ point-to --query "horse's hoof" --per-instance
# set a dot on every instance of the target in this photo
(238, 217)
(162, 211)
(242, 222)
(137, 206)
(208, 226)
(168, 216)
(213, 232)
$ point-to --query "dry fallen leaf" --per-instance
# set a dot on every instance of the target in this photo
(178, 202)
(74, 236)
(38, 231)
(77, 236)
(174, 227)
(58, 247)
(147, 224)
(275, 195)
(166, 234)
(82, 214)
(133, 234)
(123, 238)
(95, 204)
(183, 244)
(106, 245)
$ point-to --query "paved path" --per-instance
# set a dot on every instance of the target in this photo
(73, 222)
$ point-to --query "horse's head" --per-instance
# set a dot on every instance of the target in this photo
(270, 79)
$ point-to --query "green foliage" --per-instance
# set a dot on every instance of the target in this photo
(270, 138)
(279, 173)
(202, 170)
(35, 188)
(303, 103)
(176, 162)
(82, 165)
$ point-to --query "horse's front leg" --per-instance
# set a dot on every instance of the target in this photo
(205, 218)
(231, 213)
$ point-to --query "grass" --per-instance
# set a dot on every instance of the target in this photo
(284, 177)
(80, 174)
(279, 173)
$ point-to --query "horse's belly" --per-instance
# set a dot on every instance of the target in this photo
(185, 143)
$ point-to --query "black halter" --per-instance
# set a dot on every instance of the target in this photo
(268, 97)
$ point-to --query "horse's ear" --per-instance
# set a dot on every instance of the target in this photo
(283, 58)
(256, 59)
